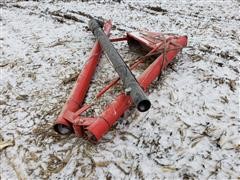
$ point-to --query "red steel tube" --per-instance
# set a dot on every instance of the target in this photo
(116, 109)
(75, 100)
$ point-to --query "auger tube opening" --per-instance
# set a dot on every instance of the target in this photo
(62, 129)
(144, 105)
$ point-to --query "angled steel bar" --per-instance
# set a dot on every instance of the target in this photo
(129, 81)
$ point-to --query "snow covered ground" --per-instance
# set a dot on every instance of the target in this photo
(192, 130)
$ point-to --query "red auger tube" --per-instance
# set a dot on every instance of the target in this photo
(117, 108)
(75, 100)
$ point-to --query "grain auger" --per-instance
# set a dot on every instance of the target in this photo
(164, 47)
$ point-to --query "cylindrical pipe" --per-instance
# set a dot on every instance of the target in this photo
(129, 81)
(113, 112)
(75, 100)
